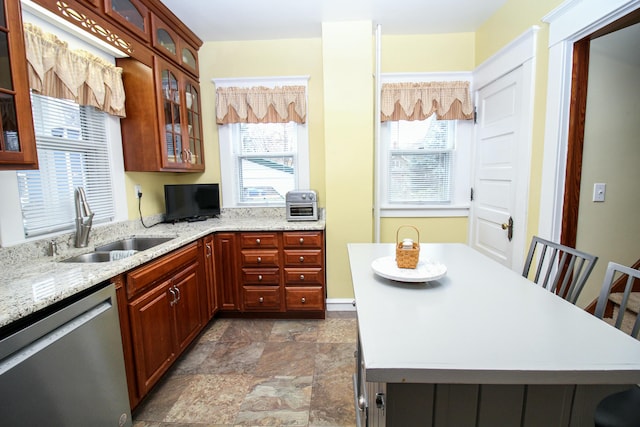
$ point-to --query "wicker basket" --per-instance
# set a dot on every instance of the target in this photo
(407, 258)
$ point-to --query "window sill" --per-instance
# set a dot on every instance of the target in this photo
(433, 211)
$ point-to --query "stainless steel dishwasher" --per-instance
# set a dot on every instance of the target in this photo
(64, 366)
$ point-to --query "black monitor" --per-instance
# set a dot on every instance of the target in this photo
(191, 202)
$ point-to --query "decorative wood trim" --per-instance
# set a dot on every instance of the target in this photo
(577, 112)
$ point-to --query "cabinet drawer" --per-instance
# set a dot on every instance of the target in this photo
(304, 298)
(309, 257)
(254, 276)
(258, 240)
(253, 258)
(142, 277)
(261, 298)
(302, 239)
(304, 276)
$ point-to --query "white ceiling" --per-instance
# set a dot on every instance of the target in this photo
(223, 20)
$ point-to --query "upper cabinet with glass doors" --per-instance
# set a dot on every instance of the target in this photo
(173, 46)
(17, 140)
(180, 120)
(132, 14)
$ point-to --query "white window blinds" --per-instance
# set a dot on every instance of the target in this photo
(72, 152)
(266, 161)
(419, 162)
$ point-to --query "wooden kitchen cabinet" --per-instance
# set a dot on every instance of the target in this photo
(280, 274)
(131, 14)
(17, 138)
(260, 271)
(167, 41)
(212, 306)
(226, 277)
(169, 136)
(304, 270)
(165, 312)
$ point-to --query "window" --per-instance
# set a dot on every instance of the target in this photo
(73, 152)
(424, 167)
(261, 162)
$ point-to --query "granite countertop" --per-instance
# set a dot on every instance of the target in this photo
(33, 280)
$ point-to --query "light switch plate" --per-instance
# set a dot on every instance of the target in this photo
(599, 191)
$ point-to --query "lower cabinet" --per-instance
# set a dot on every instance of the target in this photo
(281, 272)
(165, 312)
(164, 304)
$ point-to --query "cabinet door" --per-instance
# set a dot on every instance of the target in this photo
(226, 265)
(17, 139)
(180, 119)
(210, 277)
(193, 118)
(188, 319)
(131, 14)
(152, 329)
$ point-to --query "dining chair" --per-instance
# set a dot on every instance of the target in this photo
(622, 408)
(560, 269)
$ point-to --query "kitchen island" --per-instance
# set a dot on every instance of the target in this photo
(480, 346)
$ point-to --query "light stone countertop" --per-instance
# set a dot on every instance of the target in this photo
(33, 280)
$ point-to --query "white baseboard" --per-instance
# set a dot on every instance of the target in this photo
(340, 304)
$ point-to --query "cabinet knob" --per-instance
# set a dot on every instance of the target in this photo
(257, 241)
(302, 240)
(302, 277)
(301, 259)
(303, 300)
(259, 260)
(209, 251)
(260, 277)
(261, 300)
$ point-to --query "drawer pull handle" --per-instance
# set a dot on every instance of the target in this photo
(260, 277)
(261, 300)
(257, 241)
(303, 300)
(259, 260)
(301, 259)
(302, 241)
(302, 277)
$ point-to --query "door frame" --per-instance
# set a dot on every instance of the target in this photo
(570, 25)
(521, 52)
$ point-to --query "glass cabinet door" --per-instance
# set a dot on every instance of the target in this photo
(195, 124)
(174, 151)
(131, 13)
(17, 141)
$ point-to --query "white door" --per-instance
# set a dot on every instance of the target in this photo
(497, 224)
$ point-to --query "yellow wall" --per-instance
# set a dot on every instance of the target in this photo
(509, 22)
(348, 109)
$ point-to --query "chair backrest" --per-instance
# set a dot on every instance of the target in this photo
(560, 269)
(614, 272)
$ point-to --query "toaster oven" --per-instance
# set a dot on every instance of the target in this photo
(302, 205)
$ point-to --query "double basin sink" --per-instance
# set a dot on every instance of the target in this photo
(119, 249)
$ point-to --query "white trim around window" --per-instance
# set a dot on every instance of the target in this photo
(461, 178)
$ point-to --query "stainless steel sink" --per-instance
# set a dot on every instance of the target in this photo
(102, 253)
(90, 257)
(133, 244)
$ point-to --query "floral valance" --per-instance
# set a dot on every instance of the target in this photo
(417, 101)
(59, 72)
(261, 104)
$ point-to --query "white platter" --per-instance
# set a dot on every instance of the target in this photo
(425, 271)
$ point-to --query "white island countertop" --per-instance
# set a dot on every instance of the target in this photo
(480, 324)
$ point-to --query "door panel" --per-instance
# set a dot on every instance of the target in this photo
(495, 186)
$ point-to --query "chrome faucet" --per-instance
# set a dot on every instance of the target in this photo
(84, 218)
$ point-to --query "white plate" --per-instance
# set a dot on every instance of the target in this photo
(425, 271)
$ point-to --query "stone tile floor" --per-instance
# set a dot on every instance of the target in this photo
(260, 372)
